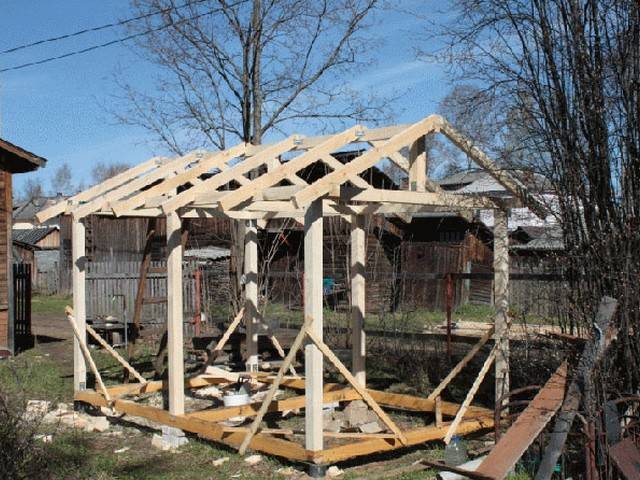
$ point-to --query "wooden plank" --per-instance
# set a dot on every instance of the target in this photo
(529, 424)
(205, 163)
(293, 403)
(81, 339)
(366, 160)
(280, 350)
(287, 169)
(313, 311)
(206, 429)
(225, 337)
(159, 173)
(503, 177)
(174, 315)
(344, 371)
(414, 437)
(365, 135)
(228, 175)
(470, 395)
(297, 343)
(448, 200)
(501, 301)
(591, 355)
(99, 189)
(78, 275)
(358, 298)
(626, 458)
(461, 364)
(418, 165)
(115, 354)
(251, 320)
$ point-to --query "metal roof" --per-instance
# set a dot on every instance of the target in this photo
(31, 236)
(207, 253)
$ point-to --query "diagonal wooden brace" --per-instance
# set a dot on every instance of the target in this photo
(362, 391)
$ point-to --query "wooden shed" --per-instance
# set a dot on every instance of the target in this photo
(13, 159)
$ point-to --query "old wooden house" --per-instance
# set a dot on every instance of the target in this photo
(15, 327)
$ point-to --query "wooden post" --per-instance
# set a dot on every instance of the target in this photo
(501, 295)
(313, 311)
(418, 165)
(174, 314)
(358, 260)
(251, 294)
(79, 303)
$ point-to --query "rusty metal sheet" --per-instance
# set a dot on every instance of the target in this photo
(626, 457)
(526, 428)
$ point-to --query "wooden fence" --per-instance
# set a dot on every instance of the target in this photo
(111, 289)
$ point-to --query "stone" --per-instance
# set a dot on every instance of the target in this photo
(333, 472)
(253, 459)
(173, 438)
(97, 424)
(37, 409)
(371, 427)
(219, 461)
(332, 424)
(157, 442)
(121, 450)
(357, 413)
(44, 438)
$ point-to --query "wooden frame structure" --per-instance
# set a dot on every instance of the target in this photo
(252, 184)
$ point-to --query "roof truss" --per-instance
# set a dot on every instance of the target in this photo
(199, 184)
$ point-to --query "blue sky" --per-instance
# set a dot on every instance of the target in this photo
(57, 110)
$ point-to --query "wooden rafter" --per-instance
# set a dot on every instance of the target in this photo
(229, 175)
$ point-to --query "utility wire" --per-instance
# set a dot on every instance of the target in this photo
(116, 41)
(101, 27)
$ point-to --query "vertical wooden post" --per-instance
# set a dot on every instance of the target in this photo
(174, 314)
(501, 293)
(313, 311)
(251, 293)
(358, 260)
(418, 165)
(78, 273)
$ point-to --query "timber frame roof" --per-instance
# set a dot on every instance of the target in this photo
(267, 184)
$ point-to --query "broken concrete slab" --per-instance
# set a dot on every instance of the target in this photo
(37, 409)
(358, 413)
(371, 427)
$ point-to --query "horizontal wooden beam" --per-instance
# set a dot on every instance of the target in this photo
(427, 199)
(206, 429)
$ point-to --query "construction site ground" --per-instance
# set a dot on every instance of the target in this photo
(124, 450)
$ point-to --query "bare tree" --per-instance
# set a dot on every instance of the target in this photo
(233, 71)
(103, 171)
(566, 75)
(62, 180)
(31, 189)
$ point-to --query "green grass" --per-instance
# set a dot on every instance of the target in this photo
(35, 376)
(50, 304)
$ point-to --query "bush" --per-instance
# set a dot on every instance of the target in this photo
(21, 454)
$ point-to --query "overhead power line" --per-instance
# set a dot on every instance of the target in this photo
(116, 41)
(101, 27)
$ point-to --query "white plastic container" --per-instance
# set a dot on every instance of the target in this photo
(235, 399)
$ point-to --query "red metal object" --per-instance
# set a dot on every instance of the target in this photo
(197, 317)
(449, 304)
